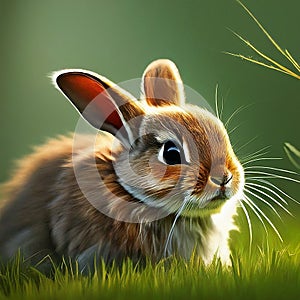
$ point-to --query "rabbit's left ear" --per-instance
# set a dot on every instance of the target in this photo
(101, 102)
(162, 84)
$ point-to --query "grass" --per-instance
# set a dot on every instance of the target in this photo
(270, 270)
(264, 59)
(273, 274)
(293, 154)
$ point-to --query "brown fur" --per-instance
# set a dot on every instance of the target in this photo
(43, 198)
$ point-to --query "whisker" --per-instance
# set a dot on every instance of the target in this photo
(170, 235)
(270, 197)
(272, 168)
(222, 108)
(273, 175)
(233, 129)
(268, 189)
(246, 144)
(274, 186)
(216, 102)
(266, 218)
(248, 201)
(251, 157)
(248, 222)
(261, 177)
(257, 153)
(260, 150)
(264, 201)
(239, 109)
(246, 160)
(262, 158)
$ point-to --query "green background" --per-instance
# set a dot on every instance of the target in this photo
(119, 38)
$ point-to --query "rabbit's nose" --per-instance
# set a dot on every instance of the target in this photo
(221, 180)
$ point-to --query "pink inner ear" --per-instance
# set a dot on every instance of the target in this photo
(82, 90)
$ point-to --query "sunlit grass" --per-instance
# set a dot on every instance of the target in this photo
(265, 273)
(271, 270)
(293, 154)
(267, 61)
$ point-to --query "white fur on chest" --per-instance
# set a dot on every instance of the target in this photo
(207, 238)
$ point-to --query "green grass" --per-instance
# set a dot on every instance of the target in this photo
(263, 59)
(271, 270)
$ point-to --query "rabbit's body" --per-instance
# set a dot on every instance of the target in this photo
(108, 200)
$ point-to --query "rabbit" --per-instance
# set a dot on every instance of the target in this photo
(158, 179)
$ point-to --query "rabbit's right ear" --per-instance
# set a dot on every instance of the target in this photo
(162, 84)
(102, 103)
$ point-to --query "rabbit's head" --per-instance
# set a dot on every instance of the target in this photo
(174, 156)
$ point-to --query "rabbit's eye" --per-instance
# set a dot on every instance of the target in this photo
(170, 154)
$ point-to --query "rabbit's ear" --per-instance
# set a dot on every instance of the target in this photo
(162, 84)
(102, 103)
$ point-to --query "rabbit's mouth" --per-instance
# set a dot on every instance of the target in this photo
(222, 195)
(207, 203)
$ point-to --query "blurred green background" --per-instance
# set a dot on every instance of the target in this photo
(119, 38)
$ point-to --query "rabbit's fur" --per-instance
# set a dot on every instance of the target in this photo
(116, 195)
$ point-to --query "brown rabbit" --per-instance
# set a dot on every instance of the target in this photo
(163, 180)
